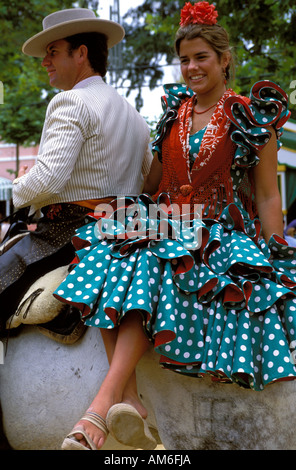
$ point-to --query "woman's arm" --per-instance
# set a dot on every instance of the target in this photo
(268, 198)
(153, 179)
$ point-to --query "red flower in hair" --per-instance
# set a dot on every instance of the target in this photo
(199, 13)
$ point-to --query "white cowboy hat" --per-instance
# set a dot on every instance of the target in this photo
(64, 23)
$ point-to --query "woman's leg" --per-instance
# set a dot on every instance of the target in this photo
(131, 344)
(130, 394)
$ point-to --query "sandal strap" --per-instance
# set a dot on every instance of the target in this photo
(79, 430)
(97, 420)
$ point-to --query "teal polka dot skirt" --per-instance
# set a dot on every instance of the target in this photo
(226, 308)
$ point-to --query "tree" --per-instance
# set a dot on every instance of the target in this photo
(23, 114)
(145, 45)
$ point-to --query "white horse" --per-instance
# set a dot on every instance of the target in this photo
(46, 386)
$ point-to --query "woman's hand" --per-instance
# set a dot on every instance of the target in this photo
(153, 179)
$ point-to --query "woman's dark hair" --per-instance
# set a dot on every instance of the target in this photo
(96, 44)
(215, 35)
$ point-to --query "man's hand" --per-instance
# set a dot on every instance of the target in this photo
(22, 170)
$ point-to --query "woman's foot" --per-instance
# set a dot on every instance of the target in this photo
(101, 407)
(130, 397)
(129, 428)
(72, 443)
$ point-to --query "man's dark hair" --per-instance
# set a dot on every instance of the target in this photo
(96, 44)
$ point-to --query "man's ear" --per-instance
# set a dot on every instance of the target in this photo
(82, 53)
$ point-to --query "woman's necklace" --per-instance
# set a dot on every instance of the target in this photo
(202, 112)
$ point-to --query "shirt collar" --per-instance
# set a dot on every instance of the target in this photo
(86, 81)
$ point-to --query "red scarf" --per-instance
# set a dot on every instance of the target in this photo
(209, 180)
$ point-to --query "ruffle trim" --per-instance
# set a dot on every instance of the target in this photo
(175, 95)
(267, 106)
(231, 282)
(206, 255)
(221, 349)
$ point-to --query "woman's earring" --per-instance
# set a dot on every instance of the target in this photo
(225, 76)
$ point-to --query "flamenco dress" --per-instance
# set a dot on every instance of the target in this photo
(220, 304)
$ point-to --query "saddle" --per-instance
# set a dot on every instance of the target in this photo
(58, 321)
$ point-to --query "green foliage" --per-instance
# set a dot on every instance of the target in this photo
(263, 33)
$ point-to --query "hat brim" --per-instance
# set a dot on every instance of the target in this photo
(36, 45)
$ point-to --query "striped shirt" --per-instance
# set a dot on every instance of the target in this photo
(94, 145)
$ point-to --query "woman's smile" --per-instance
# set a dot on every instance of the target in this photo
(197, 77)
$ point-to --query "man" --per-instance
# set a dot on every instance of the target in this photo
(290, 233)
(94, 146)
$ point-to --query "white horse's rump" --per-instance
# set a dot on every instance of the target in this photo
(46, 386)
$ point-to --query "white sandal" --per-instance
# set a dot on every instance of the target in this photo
(71, 443)
(128, 427)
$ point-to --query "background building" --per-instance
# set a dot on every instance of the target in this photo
(27, 156)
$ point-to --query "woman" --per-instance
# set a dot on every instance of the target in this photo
(219, 304)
